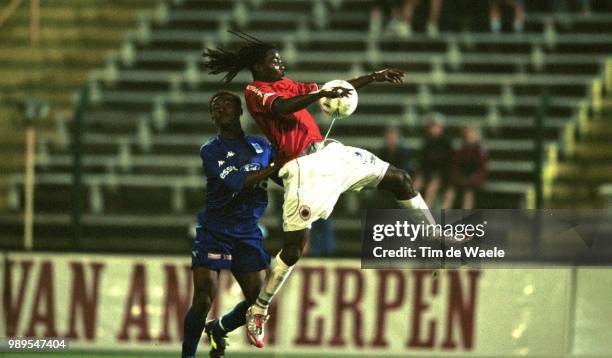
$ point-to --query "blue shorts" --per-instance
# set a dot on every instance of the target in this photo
(216, 251)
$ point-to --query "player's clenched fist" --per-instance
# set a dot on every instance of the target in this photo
(392, 75)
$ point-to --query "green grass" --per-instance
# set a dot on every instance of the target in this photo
(201, 354)
(162, 355)
(159, 355)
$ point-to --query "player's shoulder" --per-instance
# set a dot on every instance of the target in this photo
(255, 86)
(211, 147)
(255, 91)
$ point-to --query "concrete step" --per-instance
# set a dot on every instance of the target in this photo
(10, 135)
(50, 4)
(3, 197)
(607, 103)
(573, 189)
(54, 93)
(597, 131)
(59, 64)
(12, 162)
(579, 178)
(12, 154)
(96, 36)
(76, 37)
(75, 78)
(90, 13)
(12, 115)
(69, 54)
(585, 172)
(599, 123)
(116, 4)
(570, 203)
(80, 14)
(596, 151)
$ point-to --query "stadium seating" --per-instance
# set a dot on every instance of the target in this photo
(582, 178)
(148, 110)
(75, 38)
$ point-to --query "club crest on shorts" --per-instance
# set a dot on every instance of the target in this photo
(304, 212)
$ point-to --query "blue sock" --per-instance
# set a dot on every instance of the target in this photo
(232, 320)
(192, 332)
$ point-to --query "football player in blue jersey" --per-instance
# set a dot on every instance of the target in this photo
(237, 167)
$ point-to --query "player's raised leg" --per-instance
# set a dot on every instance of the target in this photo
(399, 183)
(280, 268)
(205, 283)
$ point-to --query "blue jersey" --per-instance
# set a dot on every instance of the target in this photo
(231, 209)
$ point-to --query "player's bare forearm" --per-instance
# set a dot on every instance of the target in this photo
(259, 175)
(286, 106)
(392, 75)
(362, 81)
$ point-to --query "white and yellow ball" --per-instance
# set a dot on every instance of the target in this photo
(339, 107)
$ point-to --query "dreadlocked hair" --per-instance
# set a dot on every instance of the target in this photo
(250, 53)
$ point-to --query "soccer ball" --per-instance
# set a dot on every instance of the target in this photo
(339, 107)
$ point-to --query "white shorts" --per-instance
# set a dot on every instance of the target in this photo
(313, 183)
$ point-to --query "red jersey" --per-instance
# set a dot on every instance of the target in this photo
(290, 134)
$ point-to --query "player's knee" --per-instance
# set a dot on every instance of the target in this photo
(203, 294)
(202, 300)
(293, 246)
(407, 186)
(405, 179)
(291, 256)
(401, 184)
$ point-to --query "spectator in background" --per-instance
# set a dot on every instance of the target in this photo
(433, 20)
(394, 151)
(468, 170)
(584, 6)
(401, 18)
(435, 160)
(518, 23)
(380, 10)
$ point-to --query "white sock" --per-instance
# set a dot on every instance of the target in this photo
(279, 271)
(421, 211)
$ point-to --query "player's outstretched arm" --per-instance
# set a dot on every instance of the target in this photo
(392, 75)
(255, 177)
(290, 105)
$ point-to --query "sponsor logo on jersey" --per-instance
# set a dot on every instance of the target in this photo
(257, 148)
(250, 167)
(230, 154)
(226, 171)
(255, 90)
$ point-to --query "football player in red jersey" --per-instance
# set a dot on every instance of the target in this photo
(314, 172)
